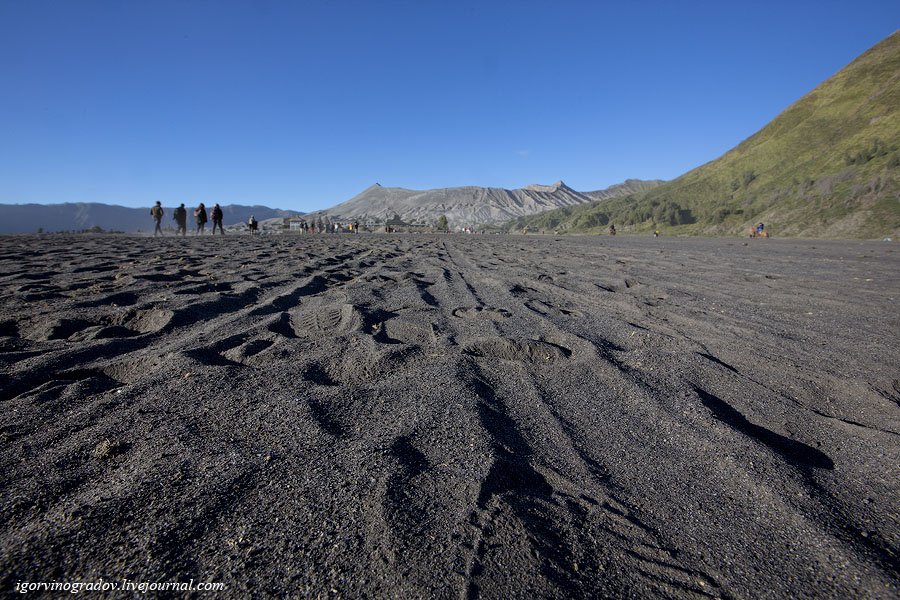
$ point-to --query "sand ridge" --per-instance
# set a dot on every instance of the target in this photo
(452, 416)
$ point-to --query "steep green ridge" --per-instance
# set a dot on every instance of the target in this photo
(629, 186)
(828, 166)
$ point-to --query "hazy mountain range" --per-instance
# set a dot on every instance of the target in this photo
(463, 206)
(29, 218)
(828, 166)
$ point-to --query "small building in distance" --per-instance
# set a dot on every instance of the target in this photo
(397, 225)
(293, 224)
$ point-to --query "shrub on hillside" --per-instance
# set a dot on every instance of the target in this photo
(874, 150)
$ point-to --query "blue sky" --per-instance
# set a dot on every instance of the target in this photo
(301, 105)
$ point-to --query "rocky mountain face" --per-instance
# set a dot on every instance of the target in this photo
(463, 206)
(29, 218)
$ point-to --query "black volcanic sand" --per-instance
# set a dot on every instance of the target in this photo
(459, 416)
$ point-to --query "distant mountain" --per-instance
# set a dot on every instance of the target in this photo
(828, 166)
(463, 206)
(28, 218)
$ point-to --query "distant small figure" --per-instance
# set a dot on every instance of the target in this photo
(253, 224)
(656, 233)
(200, 217)
(217, 217)
(355, 226)
(759, 231)
(180, 218)
(612, 229)
(157, 213)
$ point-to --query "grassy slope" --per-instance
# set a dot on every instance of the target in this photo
(629, 186)
(828, 166)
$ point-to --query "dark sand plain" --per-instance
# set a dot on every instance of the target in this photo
(452, 416)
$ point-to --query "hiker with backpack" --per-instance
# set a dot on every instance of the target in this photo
(200, 217)
(157, 213)
(180, 217)
(217, 217)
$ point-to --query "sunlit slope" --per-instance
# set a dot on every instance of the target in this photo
(828, 166)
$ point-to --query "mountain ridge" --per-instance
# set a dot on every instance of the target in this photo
(629, 186)
(462, 206)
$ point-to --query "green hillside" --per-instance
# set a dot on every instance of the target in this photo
(828, 166)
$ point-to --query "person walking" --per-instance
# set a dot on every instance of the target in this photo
(180, 218)
(200, 217)
(217, 219)
(157, 213)
(253, 224)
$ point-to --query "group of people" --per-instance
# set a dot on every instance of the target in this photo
(321, 227)
(200, 218)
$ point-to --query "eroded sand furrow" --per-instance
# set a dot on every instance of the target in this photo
(662, 575)
(535, 451)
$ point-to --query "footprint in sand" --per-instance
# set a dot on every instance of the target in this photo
(244, 352)
(332, 319)
(482, 313)
(526, 351)
(408, 332)
(56, 329)
(544, 309)
(147, 321)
